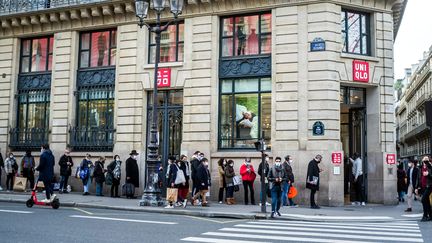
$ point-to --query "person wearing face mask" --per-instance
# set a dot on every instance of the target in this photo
(183, 164)
(115, 169)
(204, 182)
(313, 179)
(412, 183)
(276, 179)
(11, 169)
(425, 200)
(222, 182)
(66, 165)
(46, 171)
(266, 172)
(286, 165)
(195, 162)
(99, 175)
(132, 172)
(247, 172)
(85, 169)
(229, 174)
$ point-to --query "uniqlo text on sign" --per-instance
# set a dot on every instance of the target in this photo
(164, 77)
(336, 157)
(360, 71)
(391, 159)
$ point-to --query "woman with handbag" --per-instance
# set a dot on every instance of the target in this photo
(229, 174)
(171, 186)
(183, 192)
(85, 173)
(114, 171)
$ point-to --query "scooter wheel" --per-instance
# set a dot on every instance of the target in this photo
(55, 204)
(29, 203)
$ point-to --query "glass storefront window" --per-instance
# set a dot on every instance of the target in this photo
(98, 49)
(96, 108)
(245, 111)
(352, 96)
(172, 44)
(36, 54)
(355, 32)
(246, 35)
(33, 109)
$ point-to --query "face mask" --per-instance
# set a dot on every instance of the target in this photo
(277, 164)
(410, 164)
(206, 164)
(232, 165)
(267, 159)
(290, 161)
(224, 163)
(11, 156)
(41, 150)
(134, 156)
(117, 159)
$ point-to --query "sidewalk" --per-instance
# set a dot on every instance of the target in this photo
(370, 213)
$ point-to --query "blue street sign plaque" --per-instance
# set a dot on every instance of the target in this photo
(318, 129)
(318, 44)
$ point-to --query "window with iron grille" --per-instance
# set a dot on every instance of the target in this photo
(172, 44)
(94, 129)
(356, 32)
(33, 93)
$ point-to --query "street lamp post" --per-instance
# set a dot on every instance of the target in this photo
(151, 195)
(261, 147)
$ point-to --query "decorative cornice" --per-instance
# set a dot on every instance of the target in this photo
(96, 77)
(34, 81)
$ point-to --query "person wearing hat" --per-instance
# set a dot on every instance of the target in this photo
(132, 171)
(313, 179)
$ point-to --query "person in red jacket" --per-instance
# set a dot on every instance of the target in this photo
(248, 174)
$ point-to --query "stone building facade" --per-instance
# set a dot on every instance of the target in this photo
(412, 131)
(237, 68)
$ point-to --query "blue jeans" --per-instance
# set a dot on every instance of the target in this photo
(87, 184)
(276, 193)
(285, 188)
(99, 187)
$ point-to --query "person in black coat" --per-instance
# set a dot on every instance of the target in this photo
(171, 178)
(401, 185)
(114, 168)
(66, 165)
(132, 171)
(412, 183)
(276, 177)
(266, 172)
(195, 162)
(203, 182)
(46, 171)
(427, 210)
(313, 180)
(99, 175)
(1, 167)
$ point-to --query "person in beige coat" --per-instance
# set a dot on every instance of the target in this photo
(222, 184)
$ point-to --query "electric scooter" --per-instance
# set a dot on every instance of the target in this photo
(55, 203)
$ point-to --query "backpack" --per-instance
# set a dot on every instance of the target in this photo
(28, 162)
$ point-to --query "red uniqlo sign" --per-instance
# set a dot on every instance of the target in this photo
(361, 71)
(336, 157)
(391, 159)
(164, 77)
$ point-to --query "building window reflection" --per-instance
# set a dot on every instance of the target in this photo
(172, 44)
(245, 111)
(355, 32)
(246, 35)
(98, 49)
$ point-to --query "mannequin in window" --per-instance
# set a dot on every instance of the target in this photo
(249, 122)
(101, 48)
(38, 56)
(252, 42)
(241, 36)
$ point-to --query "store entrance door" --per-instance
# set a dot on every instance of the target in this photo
(353, 137)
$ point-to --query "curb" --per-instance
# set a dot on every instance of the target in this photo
(208, 214)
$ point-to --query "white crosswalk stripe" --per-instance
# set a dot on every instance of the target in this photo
(318, 232)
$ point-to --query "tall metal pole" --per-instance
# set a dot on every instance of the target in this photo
(152, 192)
(263, 177)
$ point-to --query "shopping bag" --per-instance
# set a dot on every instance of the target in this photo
(172, 194)
(40, 184)
(237, 180)
(20, 184)
(208, 193)
(292, 193)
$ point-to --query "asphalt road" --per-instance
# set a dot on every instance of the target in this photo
(44, 224)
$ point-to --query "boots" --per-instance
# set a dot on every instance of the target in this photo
(229, 201)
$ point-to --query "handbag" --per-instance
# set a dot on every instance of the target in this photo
(180, 178)
(40, 184)
(172, 194)
(109, 178)
(237, 180)
(20, 184)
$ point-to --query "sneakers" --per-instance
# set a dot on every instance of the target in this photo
(45, 200)
(424, 219)
(220, 202)
(1, 188)
(363, 204)
(268, 204)
(185, 203)
(355, 203)
(272, 215)
(408, 210)
(169, 206)
(294, 206)
(278, 214)
(178, 204)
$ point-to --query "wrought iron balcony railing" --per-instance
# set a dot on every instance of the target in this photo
(20, 6)
(92, 138)
(32, 138)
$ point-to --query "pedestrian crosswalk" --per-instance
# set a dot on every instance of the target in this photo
(320, 232)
